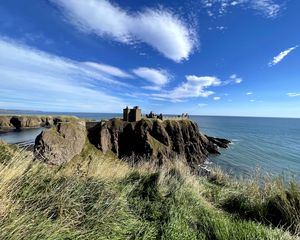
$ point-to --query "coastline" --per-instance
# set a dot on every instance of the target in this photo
(255, 146)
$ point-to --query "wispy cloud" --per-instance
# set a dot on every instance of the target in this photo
(267, 8)
(33, 79)
(194, 86)
(161, 29)
(202, 104)
(281, 56)
(220, 28)
(234, 78)
(110, 70)
(158, 77)
(252, 100)
(249, 93)
(217, 98)
(293, 94)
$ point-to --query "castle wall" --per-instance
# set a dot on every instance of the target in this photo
(132, 115)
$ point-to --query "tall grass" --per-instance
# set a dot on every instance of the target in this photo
(270, 201)
(97, 196)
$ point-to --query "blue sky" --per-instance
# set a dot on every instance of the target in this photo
(205, 57)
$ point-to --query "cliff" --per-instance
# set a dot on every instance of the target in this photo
(61, 143)
(156, 139)
(151, 139)
(19, 122)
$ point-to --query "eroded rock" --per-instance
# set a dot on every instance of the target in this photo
(20, 122)
(153, 139)
(61, 143)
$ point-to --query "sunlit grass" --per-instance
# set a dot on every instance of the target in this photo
(97, 196)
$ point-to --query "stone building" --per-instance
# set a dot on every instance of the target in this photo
(132, 115)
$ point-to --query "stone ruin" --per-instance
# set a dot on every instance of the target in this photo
(154, 115)
(135, 115)
(132, 115)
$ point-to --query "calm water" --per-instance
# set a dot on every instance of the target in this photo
(268, 144)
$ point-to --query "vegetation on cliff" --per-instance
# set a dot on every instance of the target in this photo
(97, 196)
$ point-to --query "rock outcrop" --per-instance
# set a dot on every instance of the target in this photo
(61, 143)
(220, 142)
(154, 139)
(19, 122)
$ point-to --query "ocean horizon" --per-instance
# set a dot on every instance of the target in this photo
(54, 113)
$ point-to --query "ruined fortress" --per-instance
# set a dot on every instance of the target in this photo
(135, 115)
(132, 115)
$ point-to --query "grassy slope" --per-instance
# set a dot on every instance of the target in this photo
(99, 197)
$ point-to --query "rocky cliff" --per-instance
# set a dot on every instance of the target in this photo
(61, 143)
(155, 139)
(148, 138)
(18, 122)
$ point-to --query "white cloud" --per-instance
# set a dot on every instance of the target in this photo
(202, 104)
(249, 93)
(152, 88)
(32, 79)
(194, 86)
(281, 56)
(293, 94)
(252, 100)
(217, 98)
(110, 70)
(236, 79)
(160, 29)
(220, 28)
(233, 79)
(158, 77)
(267, 8)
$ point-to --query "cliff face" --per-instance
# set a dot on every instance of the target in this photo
(18, 122)
(148, 138)
(24, 121)
(61, 143)
(153, 139)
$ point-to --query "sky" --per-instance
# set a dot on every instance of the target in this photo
(203, 57)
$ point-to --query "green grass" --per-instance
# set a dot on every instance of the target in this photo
(271, 201)
(97, 196)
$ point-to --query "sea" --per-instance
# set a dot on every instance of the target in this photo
(259, 146)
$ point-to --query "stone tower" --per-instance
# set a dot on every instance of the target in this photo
(132, 115)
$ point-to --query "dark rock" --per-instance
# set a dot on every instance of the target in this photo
(153, 138)
(15, 121)
(220, 142)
